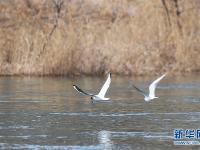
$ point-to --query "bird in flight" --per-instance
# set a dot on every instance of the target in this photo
(101, 94)
(151, 95)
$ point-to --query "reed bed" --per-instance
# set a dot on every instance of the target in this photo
(94, 37)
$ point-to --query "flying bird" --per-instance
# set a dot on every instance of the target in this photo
(151, 95)
(101, 94)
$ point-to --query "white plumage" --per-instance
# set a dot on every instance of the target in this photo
(152, 88)
(101, 94)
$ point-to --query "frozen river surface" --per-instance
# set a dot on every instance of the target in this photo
(47, 113)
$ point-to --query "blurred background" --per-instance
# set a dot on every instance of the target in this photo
(73, 37)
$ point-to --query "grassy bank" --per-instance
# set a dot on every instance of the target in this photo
(127, 37)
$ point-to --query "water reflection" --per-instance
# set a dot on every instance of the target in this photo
(105, 139)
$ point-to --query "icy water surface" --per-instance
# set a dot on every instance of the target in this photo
(47, 113)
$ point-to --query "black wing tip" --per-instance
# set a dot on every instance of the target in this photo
(133, 86)
(110, 74)
(75, 86)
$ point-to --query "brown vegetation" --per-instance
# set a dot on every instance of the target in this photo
(135, 37)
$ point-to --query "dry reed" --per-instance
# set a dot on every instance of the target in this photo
(72, 37)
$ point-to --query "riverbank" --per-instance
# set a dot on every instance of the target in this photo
(95, 37)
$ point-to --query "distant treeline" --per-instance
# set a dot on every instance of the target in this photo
(72, 37)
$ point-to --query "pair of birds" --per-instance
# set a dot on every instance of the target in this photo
(101, 95)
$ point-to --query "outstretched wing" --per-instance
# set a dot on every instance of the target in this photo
(139, 90)
(81, 91)
(105, 86)
(153, 86)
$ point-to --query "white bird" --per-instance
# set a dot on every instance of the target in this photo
(152, 87)
(101, 94)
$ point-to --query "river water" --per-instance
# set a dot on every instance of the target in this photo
(47, 113)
